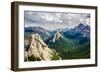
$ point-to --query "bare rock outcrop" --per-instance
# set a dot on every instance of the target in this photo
(37, 50)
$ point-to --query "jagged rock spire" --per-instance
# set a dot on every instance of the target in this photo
(57, 36)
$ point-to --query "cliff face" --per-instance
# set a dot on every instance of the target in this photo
(37, 50)
(57, 36)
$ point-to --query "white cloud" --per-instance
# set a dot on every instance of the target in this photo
(55, 20)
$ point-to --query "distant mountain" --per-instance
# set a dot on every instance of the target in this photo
(79, 34)
(61, 44)
(37, 50)
(83, 29)
(41, 31)
(63, 29)
(38, 30)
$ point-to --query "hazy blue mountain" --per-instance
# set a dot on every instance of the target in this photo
(79, 34)
(83, 29)
(41, 31)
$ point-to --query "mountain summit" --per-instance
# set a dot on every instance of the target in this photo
(36, 50)
(57, 36)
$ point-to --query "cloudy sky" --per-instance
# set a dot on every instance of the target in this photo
(55, 20)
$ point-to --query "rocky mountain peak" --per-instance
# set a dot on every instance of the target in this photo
(37, 50)
(57, 36)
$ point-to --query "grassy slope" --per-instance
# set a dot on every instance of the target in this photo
(68, 50)
(62, 46)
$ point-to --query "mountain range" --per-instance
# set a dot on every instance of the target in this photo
(80, 34)
(67, 43)
(41, 31)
